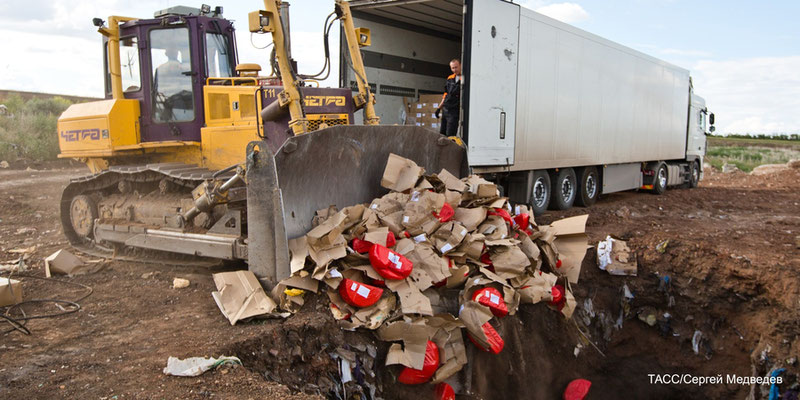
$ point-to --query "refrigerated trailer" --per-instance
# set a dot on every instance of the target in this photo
(554, 114)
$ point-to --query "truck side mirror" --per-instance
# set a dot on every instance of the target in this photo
(711, 120)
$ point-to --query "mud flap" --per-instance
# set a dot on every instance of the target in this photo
(340, 166)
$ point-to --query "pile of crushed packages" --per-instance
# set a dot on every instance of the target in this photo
(434, 259)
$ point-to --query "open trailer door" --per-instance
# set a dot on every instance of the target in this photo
(491, 39)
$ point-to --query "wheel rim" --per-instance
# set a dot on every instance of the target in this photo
(591, 186)
(539, 193)
(695, 174)
(567, 190)
(81, 216)
(662, 177)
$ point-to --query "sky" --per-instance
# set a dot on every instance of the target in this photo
(744, 56)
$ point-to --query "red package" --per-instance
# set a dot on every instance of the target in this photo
(361, 246)
(390, 239)
(445, 392)
(445, 214)
(389, 264)
(492, 298)
(411, 376)
(503, 214)
(486, 259)
(496, 343)
(522, 220)
(378, 282)
(358, 294)
(559, 300)
(577, 389)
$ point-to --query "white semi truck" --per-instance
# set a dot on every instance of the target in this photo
(555, 114)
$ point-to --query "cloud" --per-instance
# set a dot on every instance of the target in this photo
(751, 95)
(565, 12)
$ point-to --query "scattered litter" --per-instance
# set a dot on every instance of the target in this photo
(647, 315)
(774, 390)
(627, 291)
(63, 262)
(662, 247)
(25, 250)
(4, 164)
(194, 366)
(25, 230)
(180, 283)
(10, 292)
(696, 338)
(148, 275)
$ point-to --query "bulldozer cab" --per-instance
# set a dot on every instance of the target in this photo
(165, 62)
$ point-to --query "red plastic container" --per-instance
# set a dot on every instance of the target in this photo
(496, 343)
(492, 298)
(577, 389)
(389, 264)
(445, 392)
(411, 376)
(445, 214)
(358, 294)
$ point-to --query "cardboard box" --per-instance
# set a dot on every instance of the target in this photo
(10, 292)
(63, 262)
(400, 174)
(571, 242)
(239, 295)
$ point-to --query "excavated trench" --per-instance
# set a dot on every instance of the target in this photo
(544, 352)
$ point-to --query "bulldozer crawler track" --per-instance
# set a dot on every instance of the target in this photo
(182, 175)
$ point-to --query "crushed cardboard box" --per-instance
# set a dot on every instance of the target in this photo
(65, 263)
(10, 292)
(239, 296)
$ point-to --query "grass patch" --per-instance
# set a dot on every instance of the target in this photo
(29, 129)
(748, 157)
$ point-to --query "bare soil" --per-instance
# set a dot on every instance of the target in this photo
(732, 260)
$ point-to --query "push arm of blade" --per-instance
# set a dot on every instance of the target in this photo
(364, 95)
(213, 194)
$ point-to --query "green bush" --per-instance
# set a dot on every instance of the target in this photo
(29, 130)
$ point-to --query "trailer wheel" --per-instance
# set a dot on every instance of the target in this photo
(540, 192)
(565, 187)
(694, 174)
(660, 179)
(588, 187)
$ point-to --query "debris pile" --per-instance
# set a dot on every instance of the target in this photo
(435, 256)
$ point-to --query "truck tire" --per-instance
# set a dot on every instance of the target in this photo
(565, 189)
(694, 174)
(539, 197)
(588, 187)
(660, 179)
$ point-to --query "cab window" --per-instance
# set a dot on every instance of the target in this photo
(172, 75)
(129, 64)
(218, 55)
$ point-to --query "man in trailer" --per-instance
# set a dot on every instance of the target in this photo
(451, 100)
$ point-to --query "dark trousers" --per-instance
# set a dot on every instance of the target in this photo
(449, 125)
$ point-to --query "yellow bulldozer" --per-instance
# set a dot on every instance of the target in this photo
(194, 156)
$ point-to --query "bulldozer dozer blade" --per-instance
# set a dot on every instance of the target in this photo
(339, 166)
